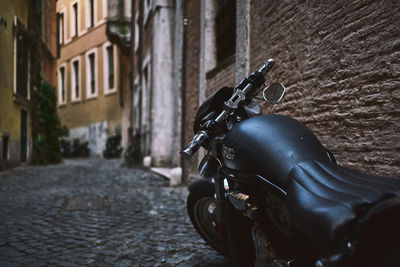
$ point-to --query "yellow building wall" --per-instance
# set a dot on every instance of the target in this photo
(9, 110)
(101, 108)
(105, 107)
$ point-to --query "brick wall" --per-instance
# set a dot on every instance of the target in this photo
(340, 64)
(191, 11)
(49, 37)
(223, 75)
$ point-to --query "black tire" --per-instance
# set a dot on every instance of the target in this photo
(203, 218)
(201, 209)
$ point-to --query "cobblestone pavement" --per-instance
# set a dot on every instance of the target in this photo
(94, 212)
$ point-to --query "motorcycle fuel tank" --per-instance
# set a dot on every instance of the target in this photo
(270, 145)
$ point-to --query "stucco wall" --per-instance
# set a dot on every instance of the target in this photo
(106, 108)
(10, 111)
(340, 64)
(165, 100)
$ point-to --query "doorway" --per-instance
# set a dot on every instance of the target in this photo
(24, 135)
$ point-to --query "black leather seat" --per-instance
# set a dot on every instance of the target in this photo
(325, 200)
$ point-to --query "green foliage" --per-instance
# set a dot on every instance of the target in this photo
(48, 127)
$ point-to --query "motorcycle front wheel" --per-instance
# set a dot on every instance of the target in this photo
(201, 208)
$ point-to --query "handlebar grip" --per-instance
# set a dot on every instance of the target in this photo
(194, 145)
(267, 66)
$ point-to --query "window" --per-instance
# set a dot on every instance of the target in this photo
(92, 79)
(75, 79)
(61, 28)
(90, 13)
(109, 68)
(61, 85)
(21, 59)
(225, 23)
(91, 73)
(60, 32)
(74, 20)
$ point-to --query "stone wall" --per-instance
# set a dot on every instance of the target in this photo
(165, 98)
(340, 64)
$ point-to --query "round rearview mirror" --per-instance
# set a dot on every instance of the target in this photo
(274, 93)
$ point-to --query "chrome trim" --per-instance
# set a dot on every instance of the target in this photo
(272, 184)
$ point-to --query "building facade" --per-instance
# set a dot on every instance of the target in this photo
(157, 52)
(90, 74)
(339, 63)
(27, 51)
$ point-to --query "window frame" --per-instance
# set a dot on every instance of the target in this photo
(107, 89)
(88, 15)
(63, 27)
(19, 26)
(74, 20)
(74, 98)
(89, 95)
(105, 9)
(59, 83)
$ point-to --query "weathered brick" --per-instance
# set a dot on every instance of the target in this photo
(340, 64)
(191, 10)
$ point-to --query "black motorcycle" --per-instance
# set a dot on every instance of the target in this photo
(274, 196)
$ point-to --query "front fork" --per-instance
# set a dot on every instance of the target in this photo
(223, 224)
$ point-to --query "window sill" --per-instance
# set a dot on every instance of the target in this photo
(63, 105)
(76, 101)
(91, 97)
(21, 100)
(221, 65)
(110, 92)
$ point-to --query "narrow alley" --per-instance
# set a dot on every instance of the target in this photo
(94, 212)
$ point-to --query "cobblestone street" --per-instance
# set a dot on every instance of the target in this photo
(94, 212)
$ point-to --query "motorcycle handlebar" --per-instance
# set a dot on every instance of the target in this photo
(194, 145)
(267, 66)
(202, 136)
